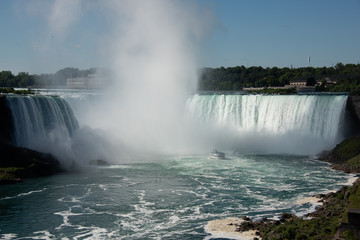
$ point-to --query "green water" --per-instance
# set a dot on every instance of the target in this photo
(169, 198)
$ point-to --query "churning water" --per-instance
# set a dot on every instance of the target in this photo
(173, 198)
(172, 195)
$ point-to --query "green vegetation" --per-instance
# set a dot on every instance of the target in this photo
(10, 173)
(354, 199)
(347, 78)
(280, 91)
(7, 79)
(304, 229)
(325, 222)
(346, 150)
(349, 84)
(58, 79)
(328, 219)
(12, 90)
(345, 156)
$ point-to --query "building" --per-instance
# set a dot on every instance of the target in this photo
(91, 81)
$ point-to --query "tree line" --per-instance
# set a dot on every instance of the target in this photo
(237, 78)
(23, 79)
(217, 79)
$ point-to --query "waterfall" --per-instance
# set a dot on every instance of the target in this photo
(296, 122)
(44, 118)
(290, 124)
(43, 123)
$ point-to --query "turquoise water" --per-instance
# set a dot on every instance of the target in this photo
(169, 198)
(162, 184)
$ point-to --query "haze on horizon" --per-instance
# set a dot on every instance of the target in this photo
(45, 36)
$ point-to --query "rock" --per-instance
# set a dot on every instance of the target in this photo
(6, 121)
(320, 195)
(245, 226)
(353, 106)
(9, 180)
(18, 163)
(98, 162)
(287, 217)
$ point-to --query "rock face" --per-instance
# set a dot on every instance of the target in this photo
(6, 121)
(17, 163)
(353, 105)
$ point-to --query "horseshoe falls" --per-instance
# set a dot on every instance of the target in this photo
(293, 124)
(270, 144)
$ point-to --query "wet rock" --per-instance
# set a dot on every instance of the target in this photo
(18, 163)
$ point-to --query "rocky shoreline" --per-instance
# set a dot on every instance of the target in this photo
(337, 217)
(327, 222)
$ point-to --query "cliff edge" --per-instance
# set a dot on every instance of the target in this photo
(353, 105)
(17, 163)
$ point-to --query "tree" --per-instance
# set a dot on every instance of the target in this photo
(6, 79)
(24, 79)
(310, 81)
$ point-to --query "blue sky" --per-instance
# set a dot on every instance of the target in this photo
(40, 38)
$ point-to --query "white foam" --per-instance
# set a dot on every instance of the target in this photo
(351, 180)
(174, 219)
(225, 228)
(313, 200)
(93, 233)
(65, 215)
(46, 235)
(8, 236)
(25, 194)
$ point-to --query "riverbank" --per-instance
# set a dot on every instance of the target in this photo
(336, 218)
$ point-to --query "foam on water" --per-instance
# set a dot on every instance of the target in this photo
(174, 199)
(176, 196)
(225, 228)
(8, 236)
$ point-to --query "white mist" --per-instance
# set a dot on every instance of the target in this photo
(153, 52)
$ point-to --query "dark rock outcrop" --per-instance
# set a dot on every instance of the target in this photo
(353, 106)
(17, 163)
(6, 121)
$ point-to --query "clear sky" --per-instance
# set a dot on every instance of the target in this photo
(40, 36)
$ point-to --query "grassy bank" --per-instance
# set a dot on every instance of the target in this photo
(345, 156)
(13, 91)
(326, 222)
